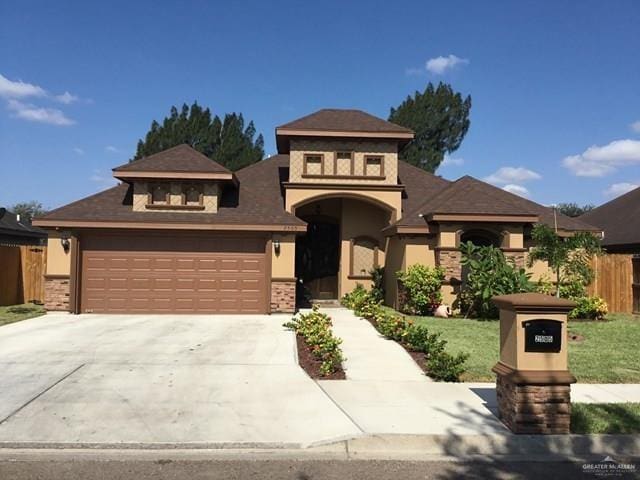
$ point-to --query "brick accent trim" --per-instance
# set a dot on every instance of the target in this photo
(283, 296)
(534, 409)
(56, 293)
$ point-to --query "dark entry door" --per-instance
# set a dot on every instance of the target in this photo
(318, 259)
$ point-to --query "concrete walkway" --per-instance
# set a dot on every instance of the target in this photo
(370, 356)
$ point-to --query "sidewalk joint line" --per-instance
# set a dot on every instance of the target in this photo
(339, 406)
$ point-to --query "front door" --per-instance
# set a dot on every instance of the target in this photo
(318, 260)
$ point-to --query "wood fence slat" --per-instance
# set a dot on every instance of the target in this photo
(22, 274)
(613, 281)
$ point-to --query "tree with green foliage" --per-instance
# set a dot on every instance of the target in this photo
(28, 211)
(573, 209)
(227, 141)
(440, 119)
(569, 257)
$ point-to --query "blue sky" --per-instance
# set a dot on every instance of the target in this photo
(555, 84)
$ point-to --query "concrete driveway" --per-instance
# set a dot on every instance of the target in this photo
(152, 379)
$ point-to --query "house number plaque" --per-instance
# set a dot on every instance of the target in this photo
(542, 335)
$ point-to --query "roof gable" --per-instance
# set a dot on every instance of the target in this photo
(345, 120)
(181, 159)
(334, 123)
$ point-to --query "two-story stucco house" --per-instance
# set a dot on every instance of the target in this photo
(181, 233)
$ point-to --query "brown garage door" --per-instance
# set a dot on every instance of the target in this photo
(172, 273)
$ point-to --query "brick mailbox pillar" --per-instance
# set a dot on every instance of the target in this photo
(533, 381)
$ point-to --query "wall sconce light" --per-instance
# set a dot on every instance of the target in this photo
(65, 242)
(276, 247)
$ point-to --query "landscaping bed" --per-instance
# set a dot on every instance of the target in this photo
(312, 364)
(16, 313)
(605, 418)
(319, 352)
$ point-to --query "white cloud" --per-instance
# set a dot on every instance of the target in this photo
(112, 149)
(511, 175)
(516, 189)
(78, 150)
(103, 179)
(19, 89)
(635, 126)
(440, 65)
(598, 161)
(33, 113)
(67, 98)
(617, 189)
(452, 162)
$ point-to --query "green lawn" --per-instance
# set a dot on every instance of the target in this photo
(621, 418)
(15, 313)
(608, 354)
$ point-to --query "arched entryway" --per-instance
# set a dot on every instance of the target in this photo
(343, 243)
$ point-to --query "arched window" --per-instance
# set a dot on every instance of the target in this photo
(192, 194)
(159, 194)
(364, 257)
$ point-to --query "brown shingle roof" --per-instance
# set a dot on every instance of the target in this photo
(344, 120)
(181, 158)
(619, 218)
(257, 201)
(468, 195)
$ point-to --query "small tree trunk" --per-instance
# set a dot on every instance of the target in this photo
(558, 282)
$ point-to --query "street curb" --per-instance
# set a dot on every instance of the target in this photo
(510, 447)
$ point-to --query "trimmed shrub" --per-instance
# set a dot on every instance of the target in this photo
(315, 327)
(446, 367)
(594, 308)
(422, 287)
(355, 298)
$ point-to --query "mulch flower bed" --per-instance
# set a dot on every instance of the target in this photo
(311, 365)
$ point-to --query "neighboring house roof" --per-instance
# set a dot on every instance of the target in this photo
(469, 196)
(618, 219)
(181, 159)
(256, 204)
(343, 120)
(14, 232)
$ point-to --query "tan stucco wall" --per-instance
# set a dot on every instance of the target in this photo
(328, 147)
(301, 196)
(402, 252)
(359, 219)
(209, 201)
(58, 262)
(283, 265)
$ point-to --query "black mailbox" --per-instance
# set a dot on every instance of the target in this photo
(542, 335)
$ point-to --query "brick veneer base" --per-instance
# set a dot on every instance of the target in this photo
(283, 296)
(534, 409)
(450, 260)
(56, 293)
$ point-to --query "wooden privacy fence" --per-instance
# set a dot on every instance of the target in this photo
(22, 271)
(614, 280)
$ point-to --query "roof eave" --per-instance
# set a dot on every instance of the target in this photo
(276, 227)
(175, 175)
(481, 217)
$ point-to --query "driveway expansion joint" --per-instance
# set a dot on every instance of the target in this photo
(34, 398)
